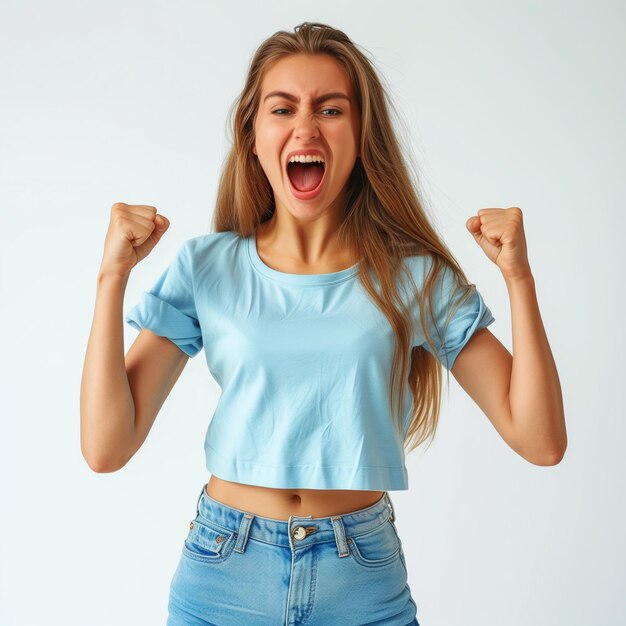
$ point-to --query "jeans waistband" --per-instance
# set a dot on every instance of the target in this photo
(297, 531)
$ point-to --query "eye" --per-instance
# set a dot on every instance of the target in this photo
(334, 111)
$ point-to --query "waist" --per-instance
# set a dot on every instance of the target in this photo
(279, 504)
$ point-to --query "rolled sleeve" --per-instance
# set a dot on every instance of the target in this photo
(168, 309)
(471, 315)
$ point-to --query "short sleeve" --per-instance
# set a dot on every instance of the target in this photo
(168, 309)
(470, 316)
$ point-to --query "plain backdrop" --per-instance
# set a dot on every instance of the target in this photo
(501, 104)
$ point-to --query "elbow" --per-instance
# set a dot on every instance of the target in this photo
(557, 456)
(103, 467)
(102, 454)
(558, 451)
(554, 457)
(546, 461)
(545, 452)
(103, 463)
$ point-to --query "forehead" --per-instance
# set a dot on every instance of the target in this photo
(306, 75)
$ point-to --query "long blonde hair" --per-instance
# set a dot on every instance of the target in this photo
(383, 221)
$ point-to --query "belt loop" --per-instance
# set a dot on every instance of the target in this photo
(243, 532)
(390, 505)
(199, 498)
(340, 535)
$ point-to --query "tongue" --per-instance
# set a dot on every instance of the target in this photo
(305, 177)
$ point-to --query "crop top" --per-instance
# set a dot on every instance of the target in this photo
(303, 362)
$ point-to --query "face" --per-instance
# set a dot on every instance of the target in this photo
(285, 124)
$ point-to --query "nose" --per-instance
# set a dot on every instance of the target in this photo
(305, 126)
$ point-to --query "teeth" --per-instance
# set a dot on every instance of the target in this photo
(310, 158)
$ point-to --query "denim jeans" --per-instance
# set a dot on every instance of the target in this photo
(240, 568)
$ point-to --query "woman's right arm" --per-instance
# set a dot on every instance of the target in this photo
(121, 396)
(107, 408)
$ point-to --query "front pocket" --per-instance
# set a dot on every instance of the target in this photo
(207, 542)
(377, 547)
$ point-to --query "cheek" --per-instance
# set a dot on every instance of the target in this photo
(344, 136)
(269, 143)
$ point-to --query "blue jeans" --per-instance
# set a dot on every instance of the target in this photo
(240, 568)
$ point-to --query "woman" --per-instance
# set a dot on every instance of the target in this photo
(299, 303)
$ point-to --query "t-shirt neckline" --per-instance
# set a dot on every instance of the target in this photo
(297, 279)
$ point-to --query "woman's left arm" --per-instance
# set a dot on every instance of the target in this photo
(522, 396)
(535, 391)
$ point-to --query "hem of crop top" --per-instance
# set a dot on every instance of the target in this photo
(306, 476)
(296, 279)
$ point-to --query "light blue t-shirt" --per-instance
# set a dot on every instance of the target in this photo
(303, 361)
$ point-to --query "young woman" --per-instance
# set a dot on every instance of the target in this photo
(326, 305)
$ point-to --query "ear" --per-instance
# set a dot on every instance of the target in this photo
(253, 149)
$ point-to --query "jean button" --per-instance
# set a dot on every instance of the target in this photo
(299, 532)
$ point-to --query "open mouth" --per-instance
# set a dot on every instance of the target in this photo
(305, 177)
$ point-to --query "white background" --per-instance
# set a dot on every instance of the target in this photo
(503, 104)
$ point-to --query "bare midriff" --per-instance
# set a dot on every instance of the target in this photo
(281, 503)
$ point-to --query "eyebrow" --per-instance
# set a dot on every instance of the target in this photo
(318, 100)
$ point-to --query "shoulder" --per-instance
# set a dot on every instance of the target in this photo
(210, 246)
(210, 242)
(420, 267)
(213, 252)
(437, 279)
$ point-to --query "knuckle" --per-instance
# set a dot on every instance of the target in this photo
(119, 219)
